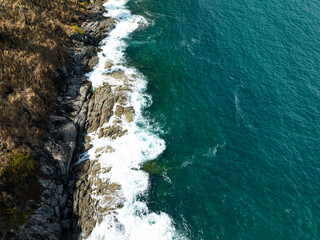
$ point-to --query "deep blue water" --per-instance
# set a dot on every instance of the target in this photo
(236, 91)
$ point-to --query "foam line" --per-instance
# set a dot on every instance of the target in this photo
(139, 144)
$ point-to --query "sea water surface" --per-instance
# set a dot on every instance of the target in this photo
(236, 93)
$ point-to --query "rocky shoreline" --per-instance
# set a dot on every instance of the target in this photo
(67, 209)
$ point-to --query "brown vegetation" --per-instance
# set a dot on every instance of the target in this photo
(33, 43)
(29, 55)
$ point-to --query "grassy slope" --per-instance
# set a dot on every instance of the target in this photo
(29, 55)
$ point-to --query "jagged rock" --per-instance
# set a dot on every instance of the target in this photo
(114, 187)
(88, 226)
(120, 75)
(87, 146)
(112, 131)
(93, 62)
(57, 212)
(100, 108)
(99, 27)
(85, 38)
(119, 110)
(129, 110)
(117, 121)
(66, 213)
(108, 65)
(66, 223)
(123, 89)
(121, 98)
(78, 183)
(63, 200)
(59, 189)
(78, 111)
(71, 183)
(100, 135)
(87, 139)
(96, 167)
(128, 117)
(52, 201)
(99, 149)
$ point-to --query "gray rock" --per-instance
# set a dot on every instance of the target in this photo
(71, 184)
(63, 201)
(100, 108)
(66, 223)
(52, 201)
(66, 212)
(57, 212)
(59, 189)
(69, 132)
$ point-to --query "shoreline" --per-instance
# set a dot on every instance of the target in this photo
(97, 141)
(108, 175)
(52, 216)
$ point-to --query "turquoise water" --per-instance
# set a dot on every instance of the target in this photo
(236, 92)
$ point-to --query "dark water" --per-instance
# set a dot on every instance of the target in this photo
(236, 90)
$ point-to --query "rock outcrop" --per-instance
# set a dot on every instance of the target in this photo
(100, 108)
(74, 197)
(52, 217)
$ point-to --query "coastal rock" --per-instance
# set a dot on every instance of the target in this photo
(98, 27)
(121, 98)
(128, 117)
(119, 75)
(93, 62)
(123, 89)
(87, 146)
(117, 121)
(66, 223)
(108, 65)
(100, 108)
(88, 226)
(119, 110)
(113, 132)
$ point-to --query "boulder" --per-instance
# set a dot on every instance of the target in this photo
(108, 65)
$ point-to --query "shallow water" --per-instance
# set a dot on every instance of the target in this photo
(236, 94)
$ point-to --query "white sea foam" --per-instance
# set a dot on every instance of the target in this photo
(139, 144)
(212, 151)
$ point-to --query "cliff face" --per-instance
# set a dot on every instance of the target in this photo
(65, 94)
(63, 139)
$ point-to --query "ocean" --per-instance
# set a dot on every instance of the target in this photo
(226, 139)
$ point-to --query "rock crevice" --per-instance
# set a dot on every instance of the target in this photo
(52, 217)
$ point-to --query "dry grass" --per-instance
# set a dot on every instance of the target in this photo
(29, 55)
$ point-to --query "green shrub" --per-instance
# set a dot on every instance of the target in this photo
(79, 30)
(16, 216)
(84, 4)
(19, 167)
